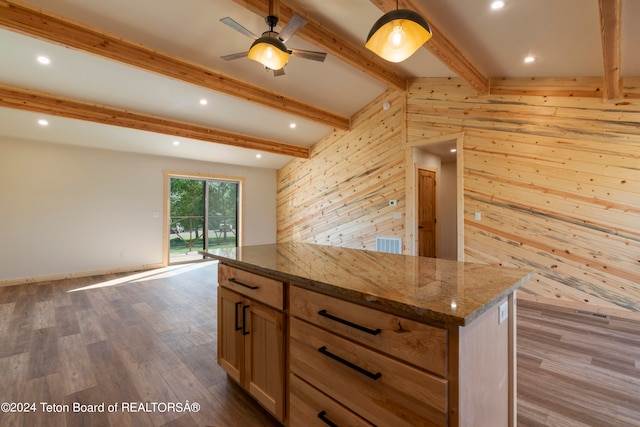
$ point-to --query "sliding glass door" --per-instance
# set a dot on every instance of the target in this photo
(203, 214)
(222, 213)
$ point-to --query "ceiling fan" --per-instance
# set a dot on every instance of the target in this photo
(270, 49)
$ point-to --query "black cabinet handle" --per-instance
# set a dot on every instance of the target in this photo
(238, 304)
(324, 313)
(244, 320)
(232, 280)
(323, 416)
(353, 366)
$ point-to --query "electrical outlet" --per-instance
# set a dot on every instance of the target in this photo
(478, 216)
(503, 312)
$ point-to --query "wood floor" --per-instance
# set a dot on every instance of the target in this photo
(150, 339)
(576, 370)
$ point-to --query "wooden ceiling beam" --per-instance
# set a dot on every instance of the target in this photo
(29, 100)
(611, 35)
(319, 35)
(441, 46)
(47, 26)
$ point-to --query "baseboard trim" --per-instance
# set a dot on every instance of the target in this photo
(50, 278)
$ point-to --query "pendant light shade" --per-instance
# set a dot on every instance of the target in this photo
(269, 51)
(398, 34)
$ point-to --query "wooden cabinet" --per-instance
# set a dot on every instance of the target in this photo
(230, 338)
(251, 336)
(417, 343)
(382, 368)
(315, 358)
(254, 286)
(380, 389)
(312, 408)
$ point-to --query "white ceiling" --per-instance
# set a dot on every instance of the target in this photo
(563, 35)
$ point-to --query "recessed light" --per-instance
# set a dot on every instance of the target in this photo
(203, 102)
(453, 150)
(258, 156)
(176, 143)
(43, 122)
(44, 60)
(497, 5)
(292, 125)
(529, 59)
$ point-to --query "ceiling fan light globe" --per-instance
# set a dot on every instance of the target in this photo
(398, 34)
(270, 52)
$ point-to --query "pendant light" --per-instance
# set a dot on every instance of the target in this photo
(269, 50)
(398, 34)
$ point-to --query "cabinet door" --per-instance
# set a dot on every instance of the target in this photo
(230, 338)
(264, 357)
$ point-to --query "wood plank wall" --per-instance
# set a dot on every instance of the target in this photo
(553, 168)
(340, 196)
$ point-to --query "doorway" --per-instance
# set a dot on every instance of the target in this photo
(435, 192)
(202, 213)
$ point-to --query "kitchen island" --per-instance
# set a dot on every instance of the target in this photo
(324, 335)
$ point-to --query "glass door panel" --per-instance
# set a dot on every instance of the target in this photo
(186, 224)
(203, 214)
(222, 216)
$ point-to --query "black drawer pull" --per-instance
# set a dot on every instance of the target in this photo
(244, 320)
(324, 313)
(323, 416)
(238, 304)
(232, 280)
(371, 375)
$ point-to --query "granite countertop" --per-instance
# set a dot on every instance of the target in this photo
(424, 288)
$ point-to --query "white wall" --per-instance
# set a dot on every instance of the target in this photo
(447, 211)
(69, 210)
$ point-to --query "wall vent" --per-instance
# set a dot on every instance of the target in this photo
(391, 245)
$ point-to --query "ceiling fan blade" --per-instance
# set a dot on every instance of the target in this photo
(235, 56)
(295, 23)
(278, 73)
(236, 26)
(309, 54)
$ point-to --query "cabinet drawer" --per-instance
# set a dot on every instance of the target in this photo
(310, 407)
(256, 287)
(417, 343)
(380, 389)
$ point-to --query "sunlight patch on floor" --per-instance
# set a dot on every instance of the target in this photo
(158, 273)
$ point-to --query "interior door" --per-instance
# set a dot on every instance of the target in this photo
(426, 213)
